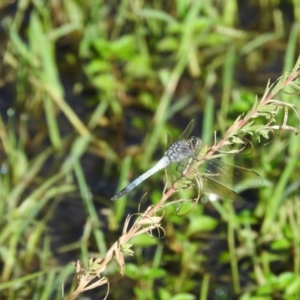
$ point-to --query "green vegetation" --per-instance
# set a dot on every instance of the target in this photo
(89, 91)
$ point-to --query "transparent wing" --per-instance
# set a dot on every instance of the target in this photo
(215, 177)
(229, 175)
(183, 136)
(186, 133)
(209, 186)
(169, 140)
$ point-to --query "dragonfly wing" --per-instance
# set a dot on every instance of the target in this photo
(187, 178)
(215, 177)
(229, 175)
(186, 133)
(209, 186)
(169, 140)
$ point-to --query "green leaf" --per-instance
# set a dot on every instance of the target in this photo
(285, 279)
(202, 223)
(281, 244)
(183, 296)
(143, 240)
(293, 287)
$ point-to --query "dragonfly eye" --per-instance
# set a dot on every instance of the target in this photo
(195, 142)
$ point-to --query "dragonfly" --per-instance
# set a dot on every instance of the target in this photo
(212, 175)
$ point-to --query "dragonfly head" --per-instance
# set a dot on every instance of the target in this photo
(195, 143)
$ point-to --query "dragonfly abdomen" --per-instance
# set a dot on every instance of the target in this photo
(163, 163)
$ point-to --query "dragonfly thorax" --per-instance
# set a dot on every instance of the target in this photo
(183, 149)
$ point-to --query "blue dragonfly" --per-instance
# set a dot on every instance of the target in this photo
(212, 175)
